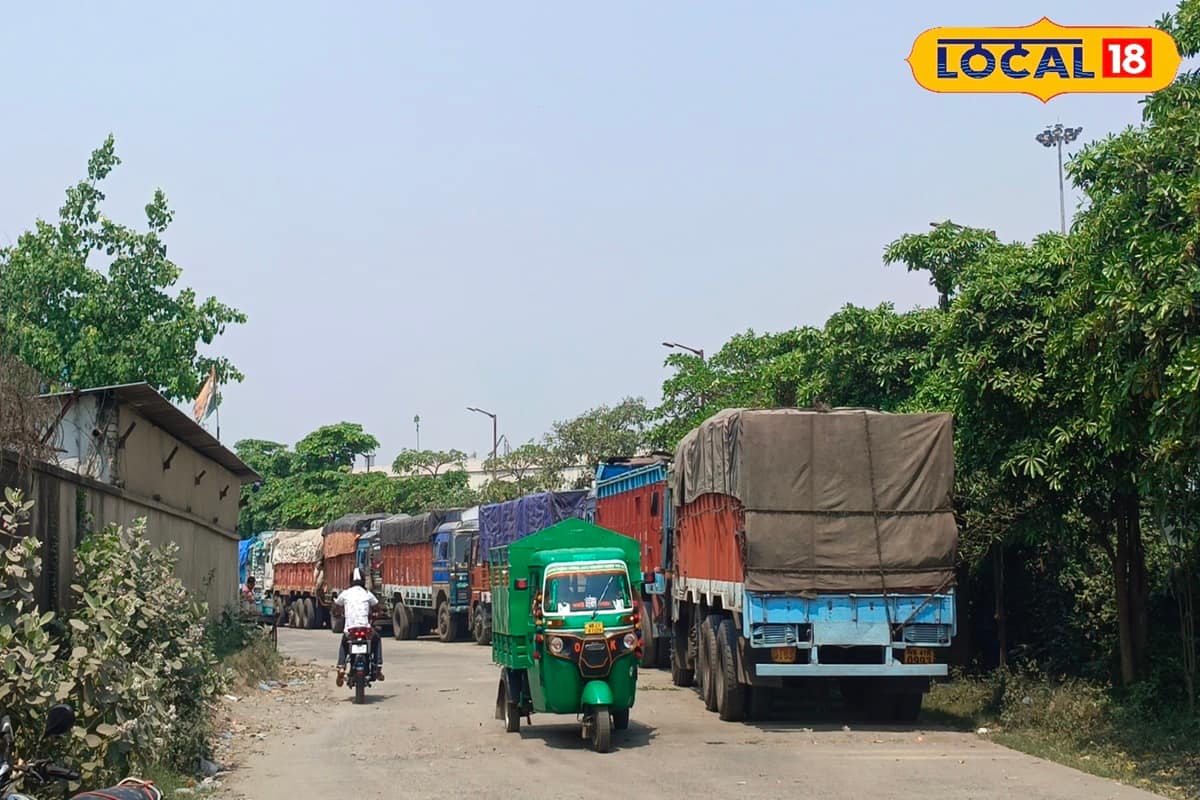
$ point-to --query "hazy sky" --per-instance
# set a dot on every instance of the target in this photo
(427, 206)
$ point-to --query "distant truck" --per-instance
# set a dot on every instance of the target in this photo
(254, 556)
(812, 544)
(295, 574)
(504, 523)
(339, 550)
(631, 500)
(425, 574)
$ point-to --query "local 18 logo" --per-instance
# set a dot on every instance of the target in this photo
(1044, 60)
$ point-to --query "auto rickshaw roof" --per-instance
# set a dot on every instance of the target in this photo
(574, 555)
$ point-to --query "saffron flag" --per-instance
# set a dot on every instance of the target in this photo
(206, 400)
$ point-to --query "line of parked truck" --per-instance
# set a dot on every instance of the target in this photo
(778, 547)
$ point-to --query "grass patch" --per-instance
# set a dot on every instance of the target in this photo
(1080, 725)
(256, 661)
(168, 780)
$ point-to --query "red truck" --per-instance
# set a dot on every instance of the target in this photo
(630, 499)
(295, 566)
(425, 572)
(339, 549)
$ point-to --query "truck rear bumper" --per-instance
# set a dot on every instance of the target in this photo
(851, 670)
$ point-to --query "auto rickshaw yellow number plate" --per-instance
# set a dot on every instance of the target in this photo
(918, 655)
(783, 655)
(590, 628)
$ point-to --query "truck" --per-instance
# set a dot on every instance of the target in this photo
(295, 573)
(504, 523)
(339, 551)
(254, 557)
(630, 499)
(807, 546)
(425, 576)
(567, 637)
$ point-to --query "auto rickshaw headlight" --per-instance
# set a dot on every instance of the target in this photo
(629, 641)
(556, 644)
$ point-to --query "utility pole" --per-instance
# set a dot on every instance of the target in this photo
(417, 422)
(1057, 136)
(495, 436)
(695, 351)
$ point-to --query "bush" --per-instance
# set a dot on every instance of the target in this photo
(136, 661)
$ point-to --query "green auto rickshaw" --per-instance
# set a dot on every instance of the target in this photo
(566, 627)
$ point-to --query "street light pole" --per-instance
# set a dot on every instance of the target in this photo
(1057, 136)
(417, 422)
(495, 438)
(696, 351)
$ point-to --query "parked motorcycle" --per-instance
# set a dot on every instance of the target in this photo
(42, 772)
(361, 673)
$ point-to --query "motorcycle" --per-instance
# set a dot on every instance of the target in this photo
(361, 673)
(42, 772)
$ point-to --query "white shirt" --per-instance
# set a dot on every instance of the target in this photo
(358, 603)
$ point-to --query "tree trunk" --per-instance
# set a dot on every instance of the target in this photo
(1001, 616)
(1131, 582)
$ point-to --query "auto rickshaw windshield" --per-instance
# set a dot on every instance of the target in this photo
(587, 590)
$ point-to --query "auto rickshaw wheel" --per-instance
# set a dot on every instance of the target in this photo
(601, 729)
(620, 718)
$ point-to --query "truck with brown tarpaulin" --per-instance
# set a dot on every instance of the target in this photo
(805, 546)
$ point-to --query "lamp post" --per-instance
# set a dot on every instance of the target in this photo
(417, 422)
(495, 438)
(1057, 136)
(694, 350)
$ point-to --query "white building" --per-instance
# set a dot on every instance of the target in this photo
(477, 476)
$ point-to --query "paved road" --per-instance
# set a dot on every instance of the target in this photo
(429, 731)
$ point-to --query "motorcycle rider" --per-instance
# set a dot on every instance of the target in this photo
(357, 602)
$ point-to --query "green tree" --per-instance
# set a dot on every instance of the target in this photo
(334, 447)
(942, 253)
(604, 431)
(81, 325)
(430, 462)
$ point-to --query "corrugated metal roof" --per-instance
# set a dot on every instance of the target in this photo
(145, 399)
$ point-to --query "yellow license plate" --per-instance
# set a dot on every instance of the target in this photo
(783, 655)
(590, 628)
(918, 655)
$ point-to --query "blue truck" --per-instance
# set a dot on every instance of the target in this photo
(805, 546)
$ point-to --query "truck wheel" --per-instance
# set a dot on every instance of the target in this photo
(309, 615)
(649, 651)
(338, 624)
(601, 729)
(906, 707)
(446, 629)
(709, 668)
(620, 717)
(295, 612)
(731, 694)
(397, 623)
(680, 675)
(479, 630)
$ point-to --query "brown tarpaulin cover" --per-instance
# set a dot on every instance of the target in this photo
(806, 479)
(340, 543)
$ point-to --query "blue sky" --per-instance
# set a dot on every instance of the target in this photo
(427, 206)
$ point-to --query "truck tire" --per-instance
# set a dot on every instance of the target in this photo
(620, 717)
(477, 626)
(294, 611)
(402, 619)
(906, 706)
(731, 693)
(708, 669)
(309, 614)
(447, 629)
(649, 651)
(338, 624)
(680, 675)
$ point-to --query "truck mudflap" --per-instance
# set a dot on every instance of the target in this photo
(851, 670)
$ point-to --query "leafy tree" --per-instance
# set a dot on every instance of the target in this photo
(81, 325)
(604, 431)
(334, 447)
(430, 462)
(942, 253)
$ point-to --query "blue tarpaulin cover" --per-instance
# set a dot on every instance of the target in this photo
(504, 523)
(243, 550)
